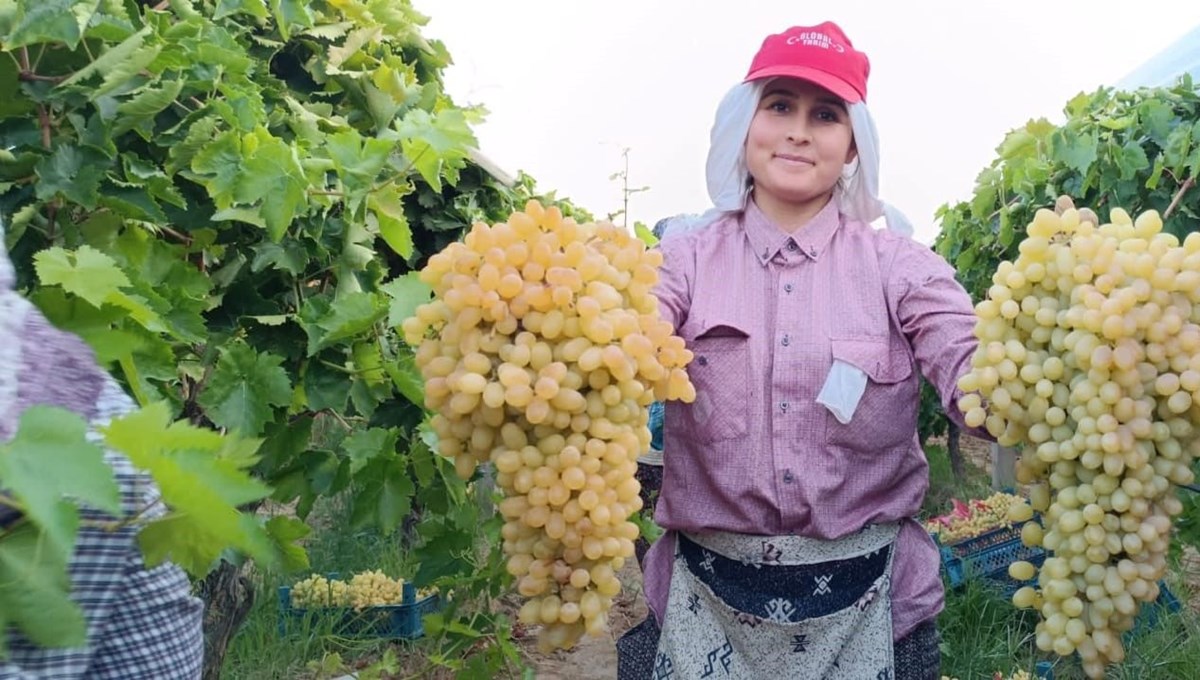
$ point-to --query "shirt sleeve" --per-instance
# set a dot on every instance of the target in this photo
(674, 289)
(937, 317)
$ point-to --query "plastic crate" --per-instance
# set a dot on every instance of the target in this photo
(1148, 618)
(987, 556)
(396, 621)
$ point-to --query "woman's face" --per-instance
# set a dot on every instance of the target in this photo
(799, 140)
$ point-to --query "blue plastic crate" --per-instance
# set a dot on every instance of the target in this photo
(1148, 618)
(395, 622)
(988, 555)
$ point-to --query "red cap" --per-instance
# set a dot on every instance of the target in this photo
(820, 54)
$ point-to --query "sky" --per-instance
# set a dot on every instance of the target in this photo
(571, 84)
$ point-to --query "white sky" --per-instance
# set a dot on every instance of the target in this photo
(569, 83)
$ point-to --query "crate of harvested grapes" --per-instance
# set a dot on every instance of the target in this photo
(369, 605)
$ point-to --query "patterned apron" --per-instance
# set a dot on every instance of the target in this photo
(827, 615)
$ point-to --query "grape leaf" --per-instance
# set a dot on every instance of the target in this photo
(35, 591)
(407, 379)
(407, 293)
(361, 447)
(388, 213)
(285, 532)
(218, 166)
(428, 141)
(291, 14)
(72, 173)
(50, 461)
(272, 174)
(87, 272)
(325, 324)
(202, 477)
(243, 387)
(255, 8)
(1077, 152)
(50, 21)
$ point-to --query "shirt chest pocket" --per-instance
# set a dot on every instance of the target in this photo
(720, 372)
(885, 415)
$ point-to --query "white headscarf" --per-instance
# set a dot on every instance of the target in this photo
(728, 178)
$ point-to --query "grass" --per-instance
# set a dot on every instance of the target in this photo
(258, 652)
(983, 633)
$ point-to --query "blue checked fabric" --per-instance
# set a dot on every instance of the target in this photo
(141, 622)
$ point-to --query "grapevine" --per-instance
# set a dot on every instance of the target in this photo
(1088, 360)
(540, 353)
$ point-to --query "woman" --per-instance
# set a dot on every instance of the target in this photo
(791, 548)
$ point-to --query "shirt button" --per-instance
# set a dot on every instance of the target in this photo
(792, 246)
(812, 252)
(703, 361)
(788, 478)
(786, 341)
(783, 405)
(787, 287)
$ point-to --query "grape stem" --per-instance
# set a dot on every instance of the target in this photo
(1183, 189)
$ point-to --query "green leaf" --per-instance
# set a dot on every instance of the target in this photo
(386, 498)
(202, 477)
(1132, 160)
(423, 463)
(218, 166)
(431, 141)
(243, 387)
(145, 105)
(133, 203)
(35, 591)
(273, 175)
(407, 379)
(326, 388)
(117, 64)
(288, 256)
(363, 446)
(16, 106)
(1076, 151)
(388, 211)
(50, 21)
(254, 8)
(71, 173)
(407, 293)
(291, 14)
(326, 324)
(87, 272)
(285, 533)
(645, 235)
(50, 460)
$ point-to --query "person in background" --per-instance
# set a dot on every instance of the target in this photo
(141, 622)
(791, 547)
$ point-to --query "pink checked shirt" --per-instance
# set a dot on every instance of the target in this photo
(766, 313)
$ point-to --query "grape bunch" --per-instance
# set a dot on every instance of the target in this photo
(968, 520)
(1089, 360)
(375, 588)
(316, 591)
(540, 352)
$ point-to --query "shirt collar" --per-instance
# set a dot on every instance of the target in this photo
(767, 239)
